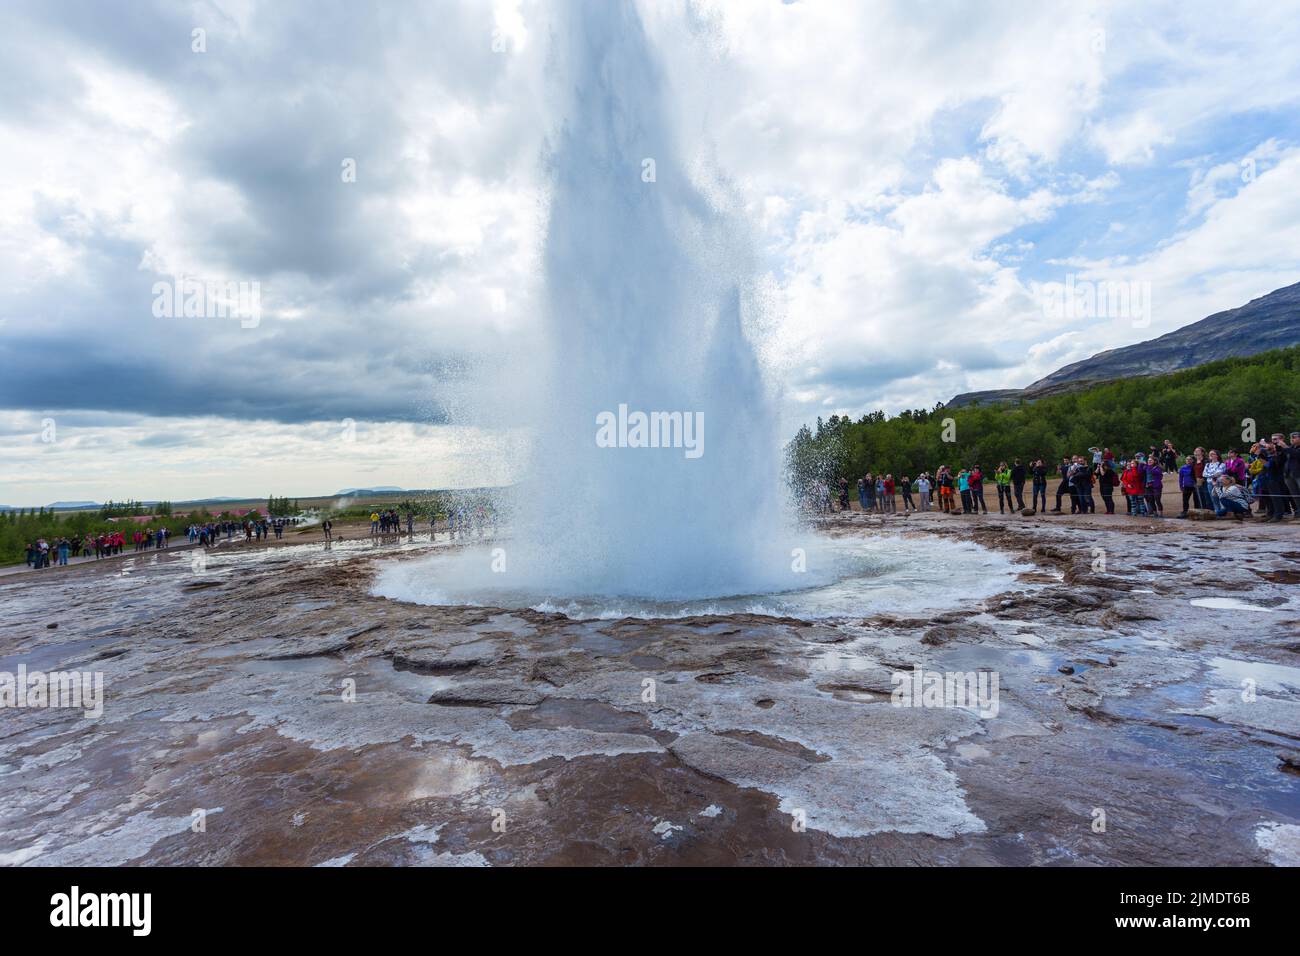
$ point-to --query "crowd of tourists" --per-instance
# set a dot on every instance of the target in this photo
(470, 521)
(212, 533)
(462, 520)
(43, 553)
(1264, 481)
(390, 522)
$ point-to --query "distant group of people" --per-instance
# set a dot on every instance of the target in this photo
(1266, 478)
(43, 554)
(390, 522)
(150, 539)
(469, 521)
(40, 553)
(463, 521)
(211, 533)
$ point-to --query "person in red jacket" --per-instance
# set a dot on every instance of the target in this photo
(976, 483)
(1134, 480)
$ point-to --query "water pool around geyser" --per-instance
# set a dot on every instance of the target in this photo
(843, 579)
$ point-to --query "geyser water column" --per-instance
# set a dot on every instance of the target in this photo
(645, 283)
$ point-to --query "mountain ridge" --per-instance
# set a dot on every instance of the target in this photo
(1271, 321)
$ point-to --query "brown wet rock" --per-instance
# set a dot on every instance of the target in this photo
(821, 635)
(561, 712)
(1052, 554)
(725, 757)
(885, 621)
(718, 677)
(859, 687)
(297, 650)
(362, 632)
(1081, 575)
(489, 693)
(957, 616)
(646, 661)
(960, 631)
(680, 653)
(1126, 613)
(1047, 603)
(195, 718)
(435, 662)
(779, 744)
(731, 621)
(558, 669)
(201, 585)
(1223, 578)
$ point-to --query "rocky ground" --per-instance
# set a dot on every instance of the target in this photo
(264, 708)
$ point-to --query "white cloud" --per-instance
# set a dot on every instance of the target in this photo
(910, 173)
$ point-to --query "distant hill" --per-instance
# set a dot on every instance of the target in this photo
(1269, 322)
(72, 505)
(377, 490)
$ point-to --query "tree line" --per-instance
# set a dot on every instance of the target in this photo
(1223, 404)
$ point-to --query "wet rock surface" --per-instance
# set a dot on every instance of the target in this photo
(269, 710)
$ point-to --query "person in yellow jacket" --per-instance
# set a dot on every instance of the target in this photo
(374, 522)
(1255, 471)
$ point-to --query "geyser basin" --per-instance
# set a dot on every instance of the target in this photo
(843, 579)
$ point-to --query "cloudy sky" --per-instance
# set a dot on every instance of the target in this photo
(915, 175)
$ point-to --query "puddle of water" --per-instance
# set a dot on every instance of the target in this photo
(605, 644)
(1244, 775)
(1249, 773)
(1134, 643)
(408, 684)
(972, 657)
(839, 661)
(1228, 604)
(1267, 677)
(46, 657)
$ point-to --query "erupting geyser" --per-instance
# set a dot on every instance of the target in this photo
(647, 281)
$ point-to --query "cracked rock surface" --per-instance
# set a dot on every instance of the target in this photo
(271, 710)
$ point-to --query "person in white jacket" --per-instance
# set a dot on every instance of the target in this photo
(1214, 470)
(923, 489)
(1231, 498)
